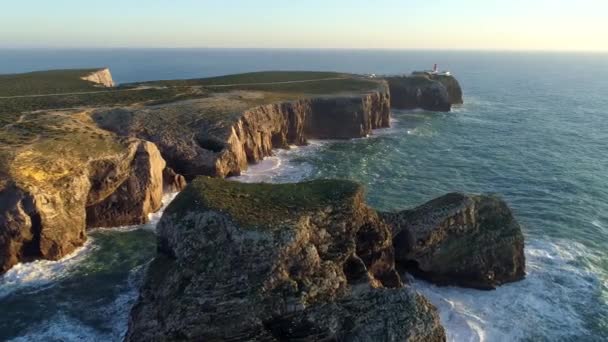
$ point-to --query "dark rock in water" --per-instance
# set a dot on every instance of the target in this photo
(276, 262)
(457, 239)
(370, 315)
(425, 91)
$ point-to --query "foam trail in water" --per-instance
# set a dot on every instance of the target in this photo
(281, 167)
(63, 327)
(556, 284)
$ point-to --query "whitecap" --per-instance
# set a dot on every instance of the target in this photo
(64, 327)
(547, 303)
(41, 273)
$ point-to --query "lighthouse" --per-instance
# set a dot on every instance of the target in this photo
(435, 69)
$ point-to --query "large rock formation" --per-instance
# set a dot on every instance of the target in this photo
(51, 187)
(197, 140)
(137, 196)
(263, 262)
(426, 91)
(458, 239)
(101, 77)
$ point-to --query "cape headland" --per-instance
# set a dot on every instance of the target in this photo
(298, 261)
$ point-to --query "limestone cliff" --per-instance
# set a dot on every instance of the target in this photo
(264, 262)
(195, 142)
(52, 186)
(101, 77)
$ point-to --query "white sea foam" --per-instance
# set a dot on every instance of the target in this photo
(281, 168)
(64, 327)
(41, 274)
(544, 304)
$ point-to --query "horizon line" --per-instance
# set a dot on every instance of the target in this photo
(300, 49)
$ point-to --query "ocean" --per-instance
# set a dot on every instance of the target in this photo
(533, 129)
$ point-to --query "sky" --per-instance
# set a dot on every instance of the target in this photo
(562, 25)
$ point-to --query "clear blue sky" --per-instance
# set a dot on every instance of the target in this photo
(392, 24)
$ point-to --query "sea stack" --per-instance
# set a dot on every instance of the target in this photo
(458, 239)
(276, 262)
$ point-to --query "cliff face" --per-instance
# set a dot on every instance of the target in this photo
(51, 189)
(426, 91)
(102, 77)
(309, 261)
(452, 86)
(194, 144)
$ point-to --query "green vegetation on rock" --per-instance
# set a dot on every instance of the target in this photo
(251, 77)
(262, 204)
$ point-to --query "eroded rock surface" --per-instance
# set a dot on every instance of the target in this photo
(459, 239)
(220, 135)
(308, 261)
(52, 186)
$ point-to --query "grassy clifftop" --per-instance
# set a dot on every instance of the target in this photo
(60, 89)
(46, 82)
(263, 204)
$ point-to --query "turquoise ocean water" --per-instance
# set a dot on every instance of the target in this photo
(533, 129)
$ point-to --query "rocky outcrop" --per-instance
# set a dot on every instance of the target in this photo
(199, 145)
(275, 262)
(425, 91)
(101, 77)
(458, 239)
(49, 197)
(137, 196)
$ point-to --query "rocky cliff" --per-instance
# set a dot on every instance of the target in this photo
(196, 138)
(263, 262)
(101, 77)
(426, 91)
(57, 184)
(458, 239)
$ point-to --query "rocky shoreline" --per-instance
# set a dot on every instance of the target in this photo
(311, 261)
(306, 261)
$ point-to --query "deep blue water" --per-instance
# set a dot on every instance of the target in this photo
(533, 129)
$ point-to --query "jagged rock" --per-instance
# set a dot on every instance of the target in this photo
(467, 240)
(173, 182)
(275, 262)
(195, 140)
(422, 90)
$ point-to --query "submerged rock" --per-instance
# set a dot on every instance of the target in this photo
(458, 239)
(276, 262)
